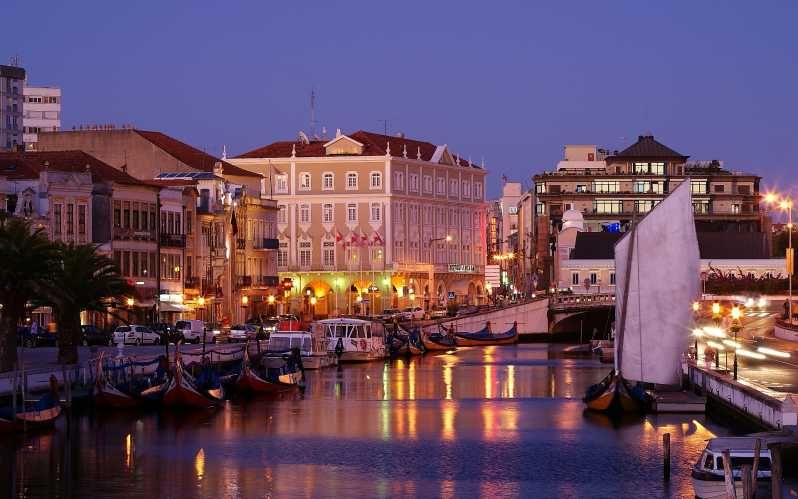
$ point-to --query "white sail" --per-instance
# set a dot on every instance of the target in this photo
(663, 280)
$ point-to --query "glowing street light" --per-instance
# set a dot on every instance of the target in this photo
(130, 302)
(696, 306)
(201, 301)
(244, 300)
(716, 309)
(736, 313)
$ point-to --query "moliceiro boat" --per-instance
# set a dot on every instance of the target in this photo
(186, 391)
(353, 340)
(487, 337)
(120, 385)
(437, 342)
(657, 268)
(40, 414)
(271, 374)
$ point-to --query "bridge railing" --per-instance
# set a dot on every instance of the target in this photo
(579, 300)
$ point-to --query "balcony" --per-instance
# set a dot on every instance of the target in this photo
(128, 234)
(266, 243)
(266, 281)
(243, 281)
(173, 240)
(241, 244)
(192, 283)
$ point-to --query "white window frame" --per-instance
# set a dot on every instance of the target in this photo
(324, 177)
(327, 247)
(282, 214)
(305, 181)
(327, 213)
(399, 179)
(440, 186)
(305, 249)
(281, 184)
(349, 176)
(478, 190)
(575, 278)
(466, 189)
(349, 207)
(428, 184)
(375, 176)
(375, 209)
(412, 182)
(304, 213)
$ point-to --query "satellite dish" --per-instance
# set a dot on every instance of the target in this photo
(303, 138)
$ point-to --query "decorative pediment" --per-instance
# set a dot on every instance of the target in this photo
(442, 156)
(343, 145)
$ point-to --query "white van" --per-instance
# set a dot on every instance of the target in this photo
(191, 331)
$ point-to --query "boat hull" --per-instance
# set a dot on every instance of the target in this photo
(181, 394)
(106, 395)
(473, 342)
(613, 397)
(249, 382)
(433, 346)
(31, 420)
(359, 356)
(708, 486)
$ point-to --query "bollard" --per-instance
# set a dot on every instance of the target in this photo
(745, 476)
(775, 467)
(666, 456)
(755, 468)
(731, 493)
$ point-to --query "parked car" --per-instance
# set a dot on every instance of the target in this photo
(119, 334)
(40, 338)
(190, 331)
(412, 313)
(141, 335)
(390, 313)
(92, 335)
(213, 332)
(244, 332)
(167, 331)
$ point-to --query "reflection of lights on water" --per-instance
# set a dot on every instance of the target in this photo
(448, 413)
(411, 420)
(411, 381)
(488, 422)
(488, 382)
(511, 382)
(447, 380)
(385, 420)
(128, 451)
(199, 464)
(386, 388)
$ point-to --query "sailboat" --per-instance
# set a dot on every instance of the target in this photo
(657, 269)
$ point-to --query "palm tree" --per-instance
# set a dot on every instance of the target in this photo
(26, 258)
(82, 280)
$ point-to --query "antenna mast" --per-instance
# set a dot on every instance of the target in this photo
(313, 113)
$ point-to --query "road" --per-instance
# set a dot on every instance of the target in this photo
(776, 374)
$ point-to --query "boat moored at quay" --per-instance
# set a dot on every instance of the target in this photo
(353, 340)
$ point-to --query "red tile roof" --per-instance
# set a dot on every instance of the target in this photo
(28, 165)
(191, 156)
(374, 144)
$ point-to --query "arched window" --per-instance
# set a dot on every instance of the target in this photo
(376, 180)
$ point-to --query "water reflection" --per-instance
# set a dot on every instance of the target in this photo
(493, 422)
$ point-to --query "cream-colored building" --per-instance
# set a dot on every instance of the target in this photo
(368, 221)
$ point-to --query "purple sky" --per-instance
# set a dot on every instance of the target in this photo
(510, 81)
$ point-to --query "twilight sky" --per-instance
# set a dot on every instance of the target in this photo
(510, 81)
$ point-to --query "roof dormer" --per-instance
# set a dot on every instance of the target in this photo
(343, 145)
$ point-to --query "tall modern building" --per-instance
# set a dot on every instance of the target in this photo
(12, 82)
(368, 221)
(609, 189)
(41, 113)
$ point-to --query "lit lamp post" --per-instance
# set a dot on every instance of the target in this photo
(736, 313)
(716, 313)
(446, 238)
(785, 204)
(244, 305)
(270, 301)
(696, 309)
(313, 301)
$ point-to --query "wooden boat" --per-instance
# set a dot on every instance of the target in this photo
(42, 414)
(266, 375)
(486, 337)
(438, 343)
(128, 391)
(415, 349)
(183, 390)
(656, 263)
(613, 394)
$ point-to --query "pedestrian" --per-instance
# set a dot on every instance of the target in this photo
(786, 310)
(34, 328)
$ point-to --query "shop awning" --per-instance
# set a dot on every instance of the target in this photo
(174, 307)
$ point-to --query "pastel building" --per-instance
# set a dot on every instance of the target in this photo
(368, 221)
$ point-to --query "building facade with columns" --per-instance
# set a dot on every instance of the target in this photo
(368, 221)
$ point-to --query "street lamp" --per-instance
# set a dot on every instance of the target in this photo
(785, 204)
(716, 313)
(696, 308)
(736, 314)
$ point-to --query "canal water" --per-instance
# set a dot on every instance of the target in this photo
(491, 422)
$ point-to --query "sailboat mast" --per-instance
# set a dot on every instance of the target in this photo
(627, 279)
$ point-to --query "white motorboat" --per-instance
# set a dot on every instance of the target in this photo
(353, 340)
(312, 346)
(707, 473)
